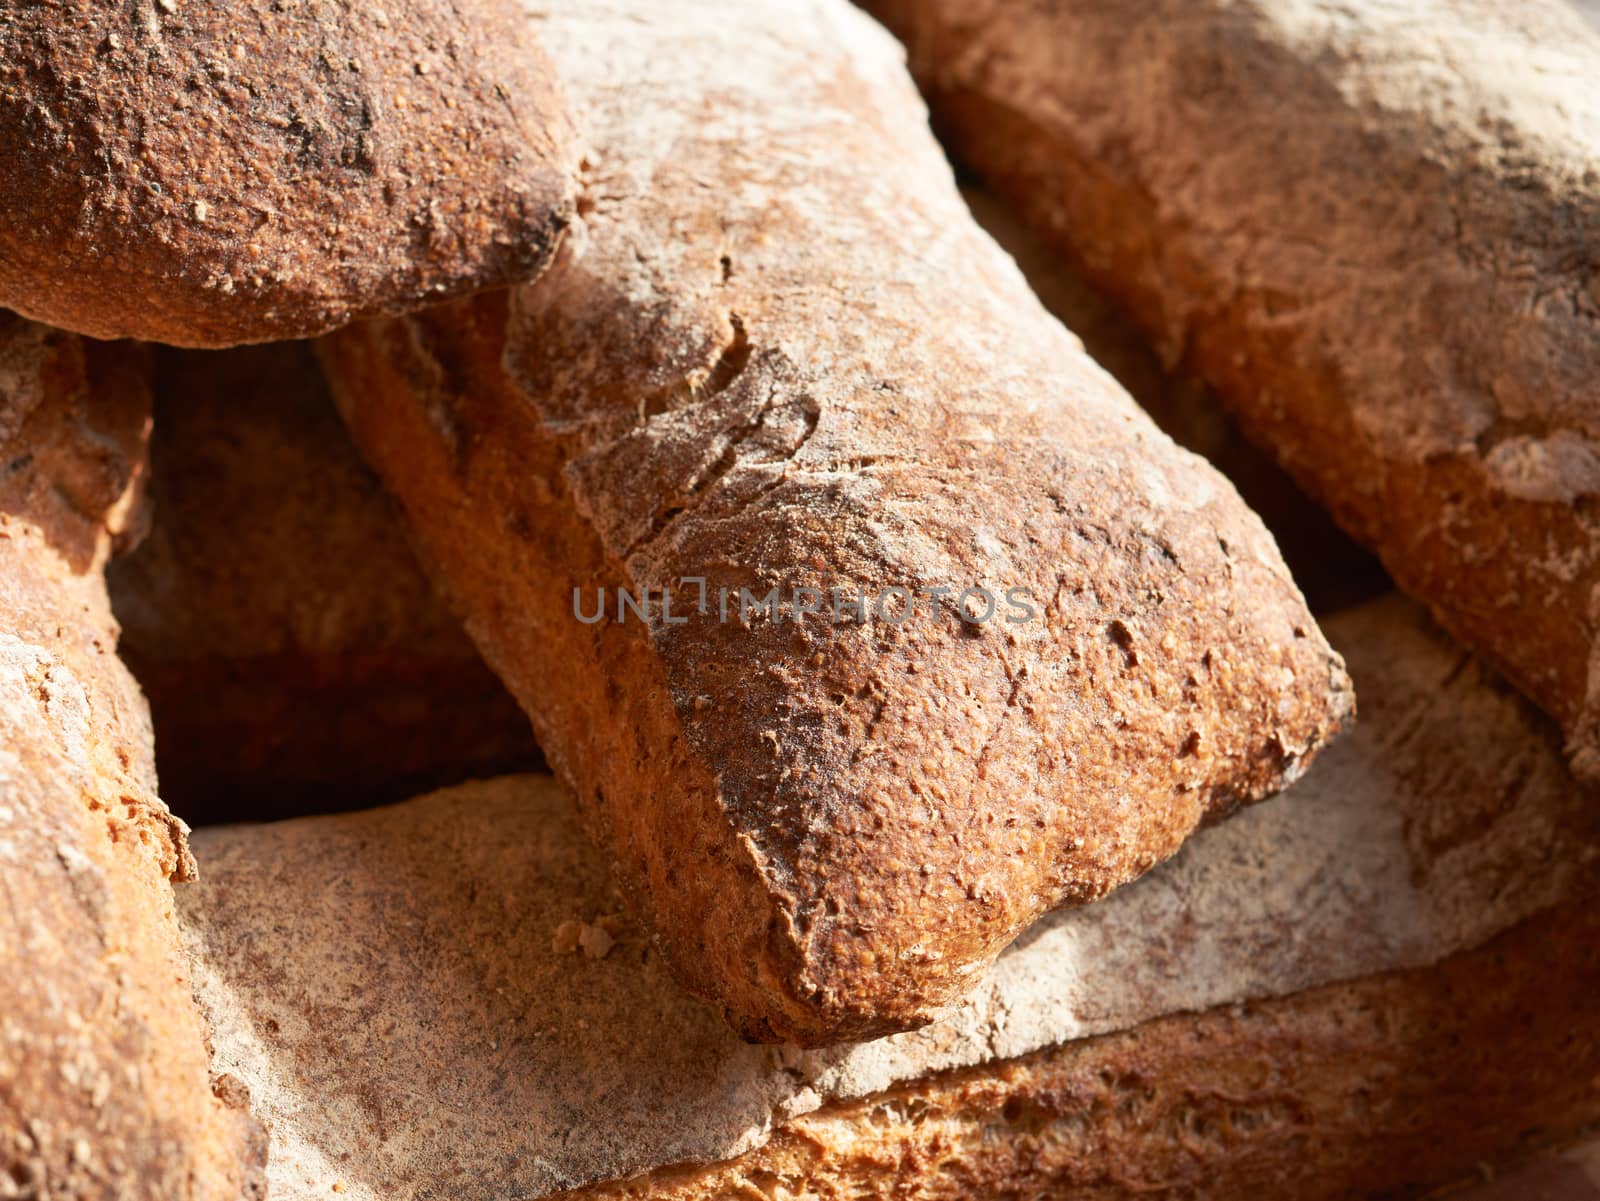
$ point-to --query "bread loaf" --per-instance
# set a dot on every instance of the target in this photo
(104, 1079)
(1371, 226)
(294, 656)
(779, 373)
(209, 174)
(1384, 1086)
(404, 1036)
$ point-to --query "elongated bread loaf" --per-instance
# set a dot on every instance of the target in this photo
(1372, 226)
(404, 1036)
(104, 1076)
(1385, 1086)
(209, 174)
(294, 655)
(778, 369)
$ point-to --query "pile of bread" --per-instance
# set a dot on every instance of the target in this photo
(916, 852)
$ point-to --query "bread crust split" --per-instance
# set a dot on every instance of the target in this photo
(294, 655)
(777, 353)
(1372, 228)
(212, 174)
(105, 1089)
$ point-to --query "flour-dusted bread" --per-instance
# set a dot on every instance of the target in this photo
(1372, 226)
(294, 655)
(1267, 1014)
(104, 1077)
(778, 358)
(209, 174)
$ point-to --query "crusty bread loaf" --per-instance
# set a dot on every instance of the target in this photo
(104, 1075)
(209, 174)
(1372, 227)
(405, 1036)
(1385, 1086)
(294, 656)
(778, 357)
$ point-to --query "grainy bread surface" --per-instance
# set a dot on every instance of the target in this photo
(776, 353)
(104, 1084)
(210, 174)
(1387, 1086)
(410, 1037)
(1372, 226)
(293, 653)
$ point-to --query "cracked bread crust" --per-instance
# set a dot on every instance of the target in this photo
(104, 1072)
(777, 352)
(1371, 226)
(262, 170)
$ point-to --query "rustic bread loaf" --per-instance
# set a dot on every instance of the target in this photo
(778, 357)
(1372, 227)
(405, 1036)
(104, 1085)
(1385, 1086)
(294, 655)
(209, 174)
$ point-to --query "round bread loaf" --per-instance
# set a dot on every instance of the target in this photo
(208, 175)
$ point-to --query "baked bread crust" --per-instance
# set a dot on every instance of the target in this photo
(517, 1035)
(210, 174)
(777, 353)
(1372, 228)
(1383, 1086)
(294, 655)
(104, 1072)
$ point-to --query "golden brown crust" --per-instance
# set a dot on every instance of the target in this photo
(830, 382)
(104, 1073)
(1383, 1086)
(1372, 228)
(294, 655)
(210, 174)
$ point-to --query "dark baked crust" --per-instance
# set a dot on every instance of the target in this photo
(294, 655)
(104, 1073)
(1385, 1086)
(831, 381)
(1372, 228)
(210, 174)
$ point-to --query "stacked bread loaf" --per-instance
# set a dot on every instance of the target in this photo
(276, 618)
(907, 689)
